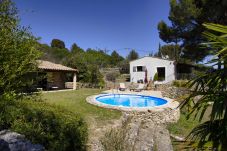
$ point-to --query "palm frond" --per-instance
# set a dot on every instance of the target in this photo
(216, 27)
(209, 131)
(210, 90)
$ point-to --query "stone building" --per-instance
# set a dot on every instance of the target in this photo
(55, 76)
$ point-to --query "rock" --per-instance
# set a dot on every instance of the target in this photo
(4, 146)
(12, 141)
(147, 130)
(162, 139)
(180, 139)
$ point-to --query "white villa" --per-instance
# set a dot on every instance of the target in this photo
(164, 68)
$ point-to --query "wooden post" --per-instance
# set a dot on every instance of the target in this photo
(74, 81)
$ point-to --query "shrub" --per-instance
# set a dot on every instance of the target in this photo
(180, 83)
(101, 83)
(155, 77)
(117, 139)
(41, 123)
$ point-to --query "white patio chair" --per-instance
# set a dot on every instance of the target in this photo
(122, 87)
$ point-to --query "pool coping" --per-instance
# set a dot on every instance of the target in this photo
(171, 104)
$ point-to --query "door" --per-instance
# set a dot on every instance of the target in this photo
(161, 73)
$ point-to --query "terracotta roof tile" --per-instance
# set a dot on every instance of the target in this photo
(47, 65)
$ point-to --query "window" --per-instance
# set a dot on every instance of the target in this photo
(139, 69)
(134, 69)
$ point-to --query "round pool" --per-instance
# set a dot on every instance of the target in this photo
(130, 100)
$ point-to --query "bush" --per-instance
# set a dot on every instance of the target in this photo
(117, 139)
(41, 123)
(155, 77)
(180, 83)
(101, 83)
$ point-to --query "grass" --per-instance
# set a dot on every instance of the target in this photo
(75, 101)
(183, 127)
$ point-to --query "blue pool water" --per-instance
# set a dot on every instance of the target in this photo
(128, 100)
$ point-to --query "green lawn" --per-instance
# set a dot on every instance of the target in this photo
(75, 101)
(183, 127)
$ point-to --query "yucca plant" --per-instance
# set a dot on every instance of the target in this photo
(211, 89)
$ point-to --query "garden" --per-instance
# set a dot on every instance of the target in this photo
(65, 121)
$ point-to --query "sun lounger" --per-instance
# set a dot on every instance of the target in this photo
(132, 87)
(122, 87)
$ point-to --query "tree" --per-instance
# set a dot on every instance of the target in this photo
(169, 52)
(124, 67)
(187, 17)
(56, 55)
(94, 75)
(56, 43)
(18, 53)
(133, 55)
(116, 58)
(210, 88)
(88, 63)
(78, 61)
(99, 58)
(168, 34)
(76, 49)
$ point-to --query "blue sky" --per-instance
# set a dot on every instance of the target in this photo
(105, 24)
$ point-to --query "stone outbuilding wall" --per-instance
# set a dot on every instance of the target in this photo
(57, 80)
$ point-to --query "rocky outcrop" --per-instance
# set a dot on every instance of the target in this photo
(12, 141)
(146, 131)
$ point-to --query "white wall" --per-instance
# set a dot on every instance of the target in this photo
(151, 65)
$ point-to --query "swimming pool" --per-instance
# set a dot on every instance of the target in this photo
(130, 100)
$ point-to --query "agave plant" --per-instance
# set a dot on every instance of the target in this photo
(211, 89)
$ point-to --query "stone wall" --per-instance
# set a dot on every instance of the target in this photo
(87, 85)
(59, 79)
(68, 85)
(56, 79)
(104, 71)
(162, 116)
(170, 91)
